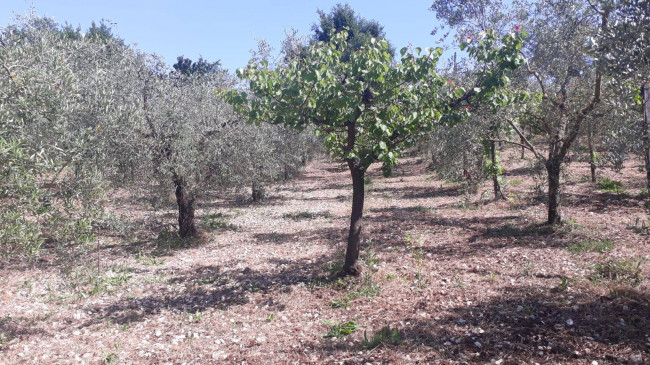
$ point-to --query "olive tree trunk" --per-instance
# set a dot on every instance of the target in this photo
(592, 155)
(185, 201)
(495, 176)
(553, 170)
(351, 266)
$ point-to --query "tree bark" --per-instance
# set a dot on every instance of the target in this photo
(258, 191)
(351, 266)
(645, 130)
(553, 171)
(186, 225)
(592, 157)
(523, 149)
(495, 176)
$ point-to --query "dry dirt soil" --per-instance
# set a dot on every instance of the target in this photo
(449, 278)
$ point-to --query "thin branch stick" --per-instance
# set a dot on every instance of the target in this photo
(11, 76)
(526, 141)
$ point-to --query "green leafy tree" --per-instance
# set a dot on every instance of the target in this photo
(368, 109)
(359, 30)
(53, 105)
(566, 84)
(187, 140)
(623, 50)
(187, 67)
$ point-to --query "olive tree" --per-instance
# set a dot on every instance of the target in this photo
(560, 73)
(622, 49)
(187, 140)
(368, 108)
(54, 102)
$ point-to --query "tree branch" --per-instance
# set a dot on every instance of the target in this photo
(11, 76)
(526, 141)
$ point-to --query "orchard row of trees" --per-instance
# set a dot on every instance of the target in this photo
(586, 64)
(576, 76)
(83, 115)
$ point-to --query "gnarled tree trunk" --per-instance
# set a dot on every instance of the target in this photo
(351, 266)
(495, 176)
(185, 201)
(592, 155)
(553, 170)
(258, 191)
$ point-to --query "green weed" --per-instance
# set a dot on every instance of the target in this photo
(640, 226)
(217, 222)
(592, 245)
(386, 335)
(338, 330)
(563, 285)
(610, 186)
(528, 269)
(515, 182)
(195, 317)
(341, 303)
(625, 271)
(110, 358)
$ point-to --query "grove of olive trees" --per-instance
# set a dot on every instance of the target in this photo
(342, 200)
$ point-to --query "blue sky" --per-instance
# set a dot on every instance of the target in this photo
(224, 30)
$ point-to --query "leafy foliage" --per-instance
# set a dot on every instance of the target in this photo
(388, 105)
(359, 30)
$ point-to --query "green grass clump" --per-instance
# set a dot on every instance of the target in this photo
(338, 330)
(610, 186)
(217, 222)
(625, 271)
(384, 336)
(600, 246)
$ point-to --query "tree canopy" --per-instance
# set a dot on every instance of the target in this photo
(359, 30)
(367, 108)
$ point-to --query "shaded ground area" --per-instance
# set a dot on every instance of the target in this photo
(449, 278)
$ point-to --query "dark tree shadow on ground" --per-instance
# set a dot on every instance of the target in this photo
(419, 192)
(599, 201)
(20, 327)
(486, 233)
(328, 235)
(529, 324)
(523, 325)
(212, 287)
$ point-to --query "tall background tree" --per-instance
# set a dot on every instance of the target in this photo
(623, 51)
(359, 30)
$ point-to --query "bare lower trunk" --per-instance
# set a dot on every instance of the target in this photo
(553, 170)
(495, 175)
(645, 130)
(258, 191)
(351, 266)
(592, 156)
(522, 140)
(186, 225)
